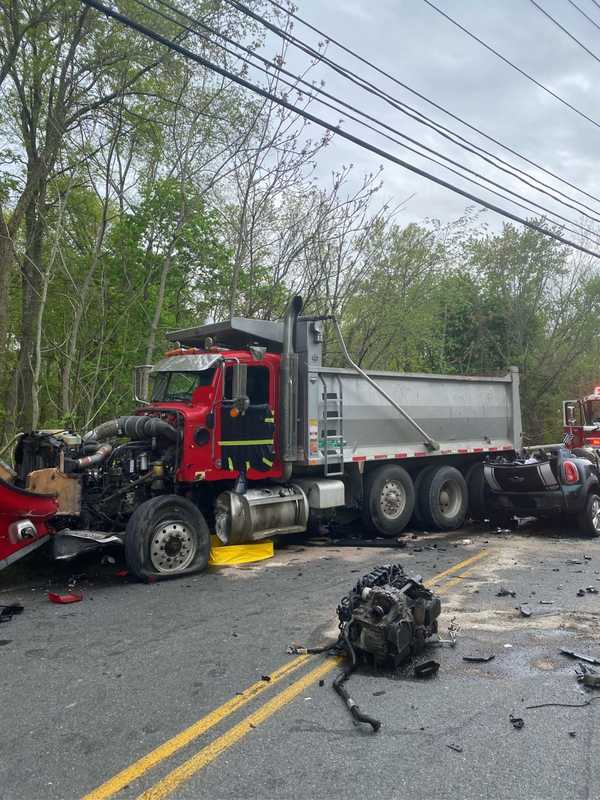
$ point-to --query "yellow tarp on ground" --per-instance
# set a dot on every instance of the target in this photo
(230, 554)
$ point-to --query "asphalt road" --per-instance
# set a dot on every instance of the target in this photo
(155, 690)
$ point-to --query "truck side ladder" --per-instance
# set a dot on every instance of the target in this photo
(332, 422)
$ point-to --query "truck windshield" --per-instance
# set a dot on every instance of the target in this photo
(179, 386)
(594, 412)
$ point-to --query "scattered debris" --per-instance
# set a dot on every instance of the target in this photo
(479, 659)
(525, 610)
(580, 592)
(64, 599)
(591, 590)
(265, 678)
(546, 602)
(580, 656)
(427, 669)
(517, 722)
(573, 561)
(5, 641)
(8, 612)
(588, 558)
(508, 645)
(379, 693)
(456, 747)
(572, 734)
(505, 593)
(467, 541)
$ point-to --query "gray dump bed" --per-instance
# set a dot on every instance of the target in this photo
(462, 414)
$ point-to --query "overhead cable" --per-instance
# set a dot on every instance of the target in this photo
(334, 128)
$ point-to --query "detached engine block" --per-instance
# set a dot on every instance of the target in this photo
(388, 616)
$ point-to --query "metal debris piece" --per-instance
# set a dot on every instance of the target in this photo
(505, 592)
(265, 678)
(525, 610)
(580, 592)
(5, 641)
(64, 599)
(572, 734)
(517, 722)
(573, 561)
(479, 659)
(546, 602)
(8, 612)
(456, 747)
(591, 590)
(591, 681)
(580, 657)
(427, 669)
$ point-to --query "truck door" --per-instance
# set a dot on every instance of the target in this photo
(247, 439)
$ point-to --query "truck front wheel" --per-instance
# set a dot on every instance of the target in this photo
(389, 500)
(589, 519)
(166, 537)
(443, 498)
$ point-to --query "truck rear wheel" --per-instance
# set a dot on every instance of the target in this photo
(389, 500)
(443, 498)
(417, 516)
(588, 520)
(166, 537)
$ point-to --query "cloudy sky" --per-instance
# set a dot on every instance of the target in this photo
(413, 42)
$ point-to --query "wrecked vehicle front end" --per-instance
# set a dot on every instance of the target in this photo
(24, 519)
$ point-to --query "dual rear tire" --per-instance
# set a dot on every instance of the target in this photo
(438, 499)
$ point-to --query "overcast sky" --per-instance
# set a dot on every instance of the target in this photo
(425, 51)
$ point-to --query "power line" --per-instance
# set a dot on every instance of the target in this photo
(511, 64)
(362, 83)
(551, 215)
(564, 30)
(199, 59)
(581, 11)
(429, 101)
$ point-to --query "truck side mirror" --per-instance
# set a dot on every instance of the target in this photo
(569, 417)
(141, 379)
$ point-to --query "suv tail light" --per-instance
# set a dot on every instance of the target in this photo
(570, 472)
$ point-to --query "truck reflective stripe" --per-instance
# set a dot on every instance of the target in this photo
(244, 442)
(269, 419)
(267, 462)
(230, 464)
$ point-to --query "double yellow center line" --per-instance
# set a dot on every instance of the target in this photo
(211, 751)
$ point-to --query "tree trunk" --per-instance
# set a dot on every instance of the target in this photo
(6, 263)
(23, 406)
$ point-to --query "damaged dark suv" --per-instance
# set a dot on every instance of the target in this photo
(545, 484)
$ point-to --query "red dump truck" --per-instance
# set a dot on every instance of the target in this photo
(246, 433)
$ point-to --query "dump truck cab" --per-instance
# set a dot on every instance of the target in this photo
(213, 394)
